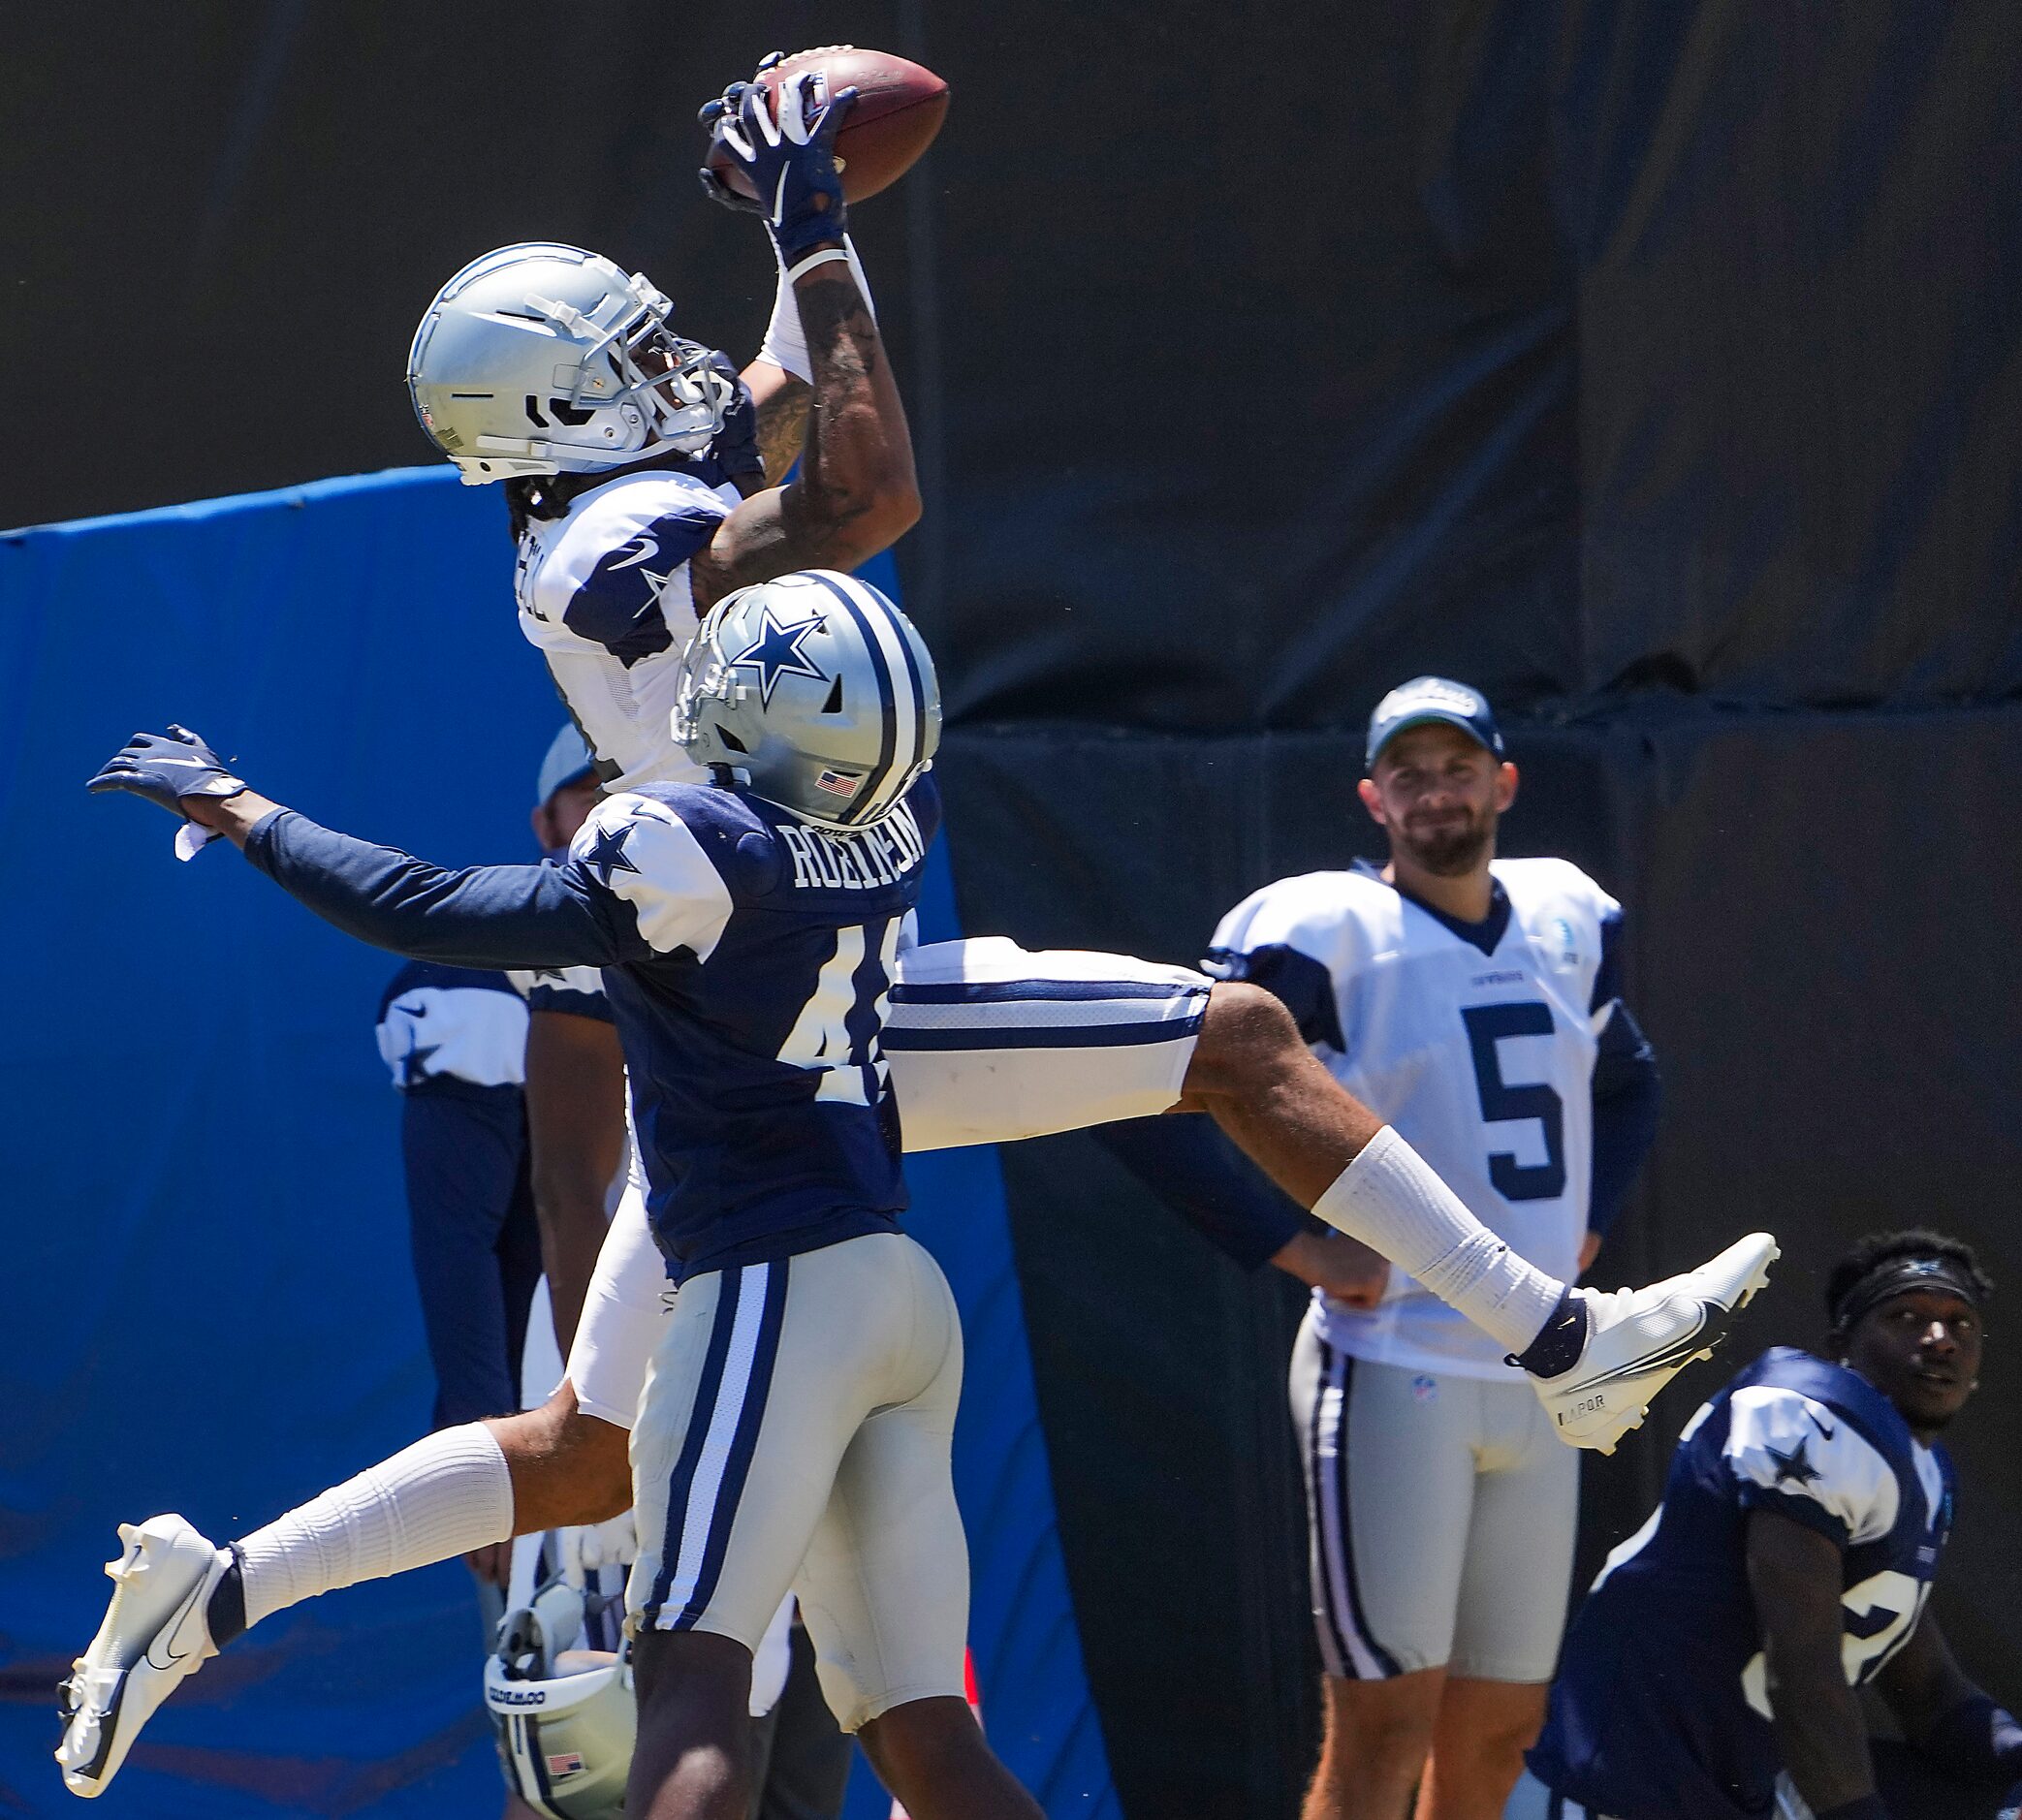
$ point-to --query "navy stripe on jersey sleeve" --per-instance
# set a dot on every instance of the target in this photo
(1628, 1097)
(1607, 977)
(1301, 982)
(427, 973)
(619, 603)
(1799, 1509)
(481, 916)
(1186, 1162)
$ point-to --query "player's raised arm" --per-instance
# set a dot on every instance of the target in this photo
(856, 493)
(484, 916)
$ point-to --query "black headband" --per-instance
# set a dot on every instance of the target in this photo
(1892, 1276)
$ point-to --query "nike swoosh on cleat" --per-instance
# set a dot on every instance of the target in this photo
(195, 764)
(1679, 1350)
(175, 1624)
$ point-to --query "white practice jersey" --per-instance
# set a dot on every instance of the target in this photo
(1477, 1043)
(604, 591)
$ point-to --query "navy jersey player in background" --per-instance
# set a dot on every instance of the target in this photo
(456, 1041)
(1720, 1650)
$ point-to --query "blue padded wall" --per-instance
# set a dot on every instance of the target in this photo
(209, 1307)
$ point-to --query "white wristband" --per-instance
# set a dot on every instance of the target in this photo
(813, 260)
(785, 345)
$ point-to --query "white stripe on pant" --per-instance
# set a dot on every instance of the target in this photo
(1349, 1651)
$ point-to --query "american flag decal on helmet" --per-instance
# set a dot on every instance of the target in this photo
(567, 1763)
(837, 783)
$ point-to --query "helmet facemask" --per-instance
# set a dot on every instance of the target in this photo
(547, 360)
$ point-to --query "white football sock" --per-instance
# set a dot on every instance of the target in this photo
(441, 1498)
(1389, 1198)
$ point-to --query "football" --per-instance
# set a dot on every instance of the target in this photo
(898, 109)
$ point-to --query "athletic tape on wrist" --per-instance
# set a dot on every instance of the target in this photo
(816, 259)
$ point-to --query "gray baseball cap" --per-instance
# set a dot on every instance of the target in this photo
(1433, 698)
(568, 760)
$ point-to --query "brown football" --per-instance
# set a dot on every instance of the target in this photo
(898, 109)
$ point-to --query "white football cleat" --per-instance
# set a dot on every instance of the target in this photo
(1641, 1338)
(155, 1634)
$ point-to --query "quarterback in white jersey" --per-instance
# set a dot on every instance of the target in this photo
(1467, 999)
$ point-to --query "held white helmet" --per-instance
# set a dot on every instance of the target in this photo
(544, 359)
(814, 692)
(566, 1717)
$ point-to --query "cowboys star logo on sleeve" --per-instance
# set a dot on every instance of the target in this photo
(608, 854)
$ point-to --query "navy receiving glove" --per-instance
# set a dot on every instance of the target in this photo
(167, 767)
(712, 116)
(789, 161)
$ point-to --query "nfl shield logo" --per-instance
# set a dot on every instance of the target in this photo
(837, 783)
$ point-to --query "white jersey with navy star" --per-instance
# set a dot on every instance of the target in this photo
(605, 593)
(1477, 1042)
(1662, 1705)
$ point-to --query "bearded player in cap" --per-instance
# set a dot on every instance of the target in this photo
(1475, 1003)
(976, 1042)
(1713, 1672)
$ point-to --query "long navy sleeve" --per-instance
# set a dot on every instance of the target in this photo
(1627, 1094)
(478, 916)
(1186, 1162)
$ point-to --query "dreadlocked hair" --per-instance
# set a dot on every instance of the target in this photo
(530, 496)
(1880, 1248)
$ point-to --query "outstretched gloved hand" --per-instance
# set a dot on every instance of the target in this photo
(165, 768)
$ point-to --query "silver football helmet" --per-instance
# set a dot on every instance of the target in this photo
(816, 693)
(564, 1716)
(543, 358)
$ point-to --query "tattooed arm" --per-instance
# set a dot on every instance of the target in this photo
(782, 401)
(855, 493)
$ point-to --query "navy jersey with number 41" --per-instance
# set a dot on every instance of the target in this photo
(1661, 1711)
(747, 956)
(752, 1031)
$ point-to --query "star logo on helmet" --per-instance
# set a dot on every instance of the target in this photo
(776, 653)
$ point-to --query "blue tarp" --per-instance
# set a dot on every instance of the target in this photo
(209, 1307)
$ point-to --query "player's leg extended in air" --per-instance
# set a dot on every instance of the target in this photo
(1225, 1048)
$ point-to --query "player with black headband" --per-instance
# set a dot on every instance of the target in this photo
(1712, 1672)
